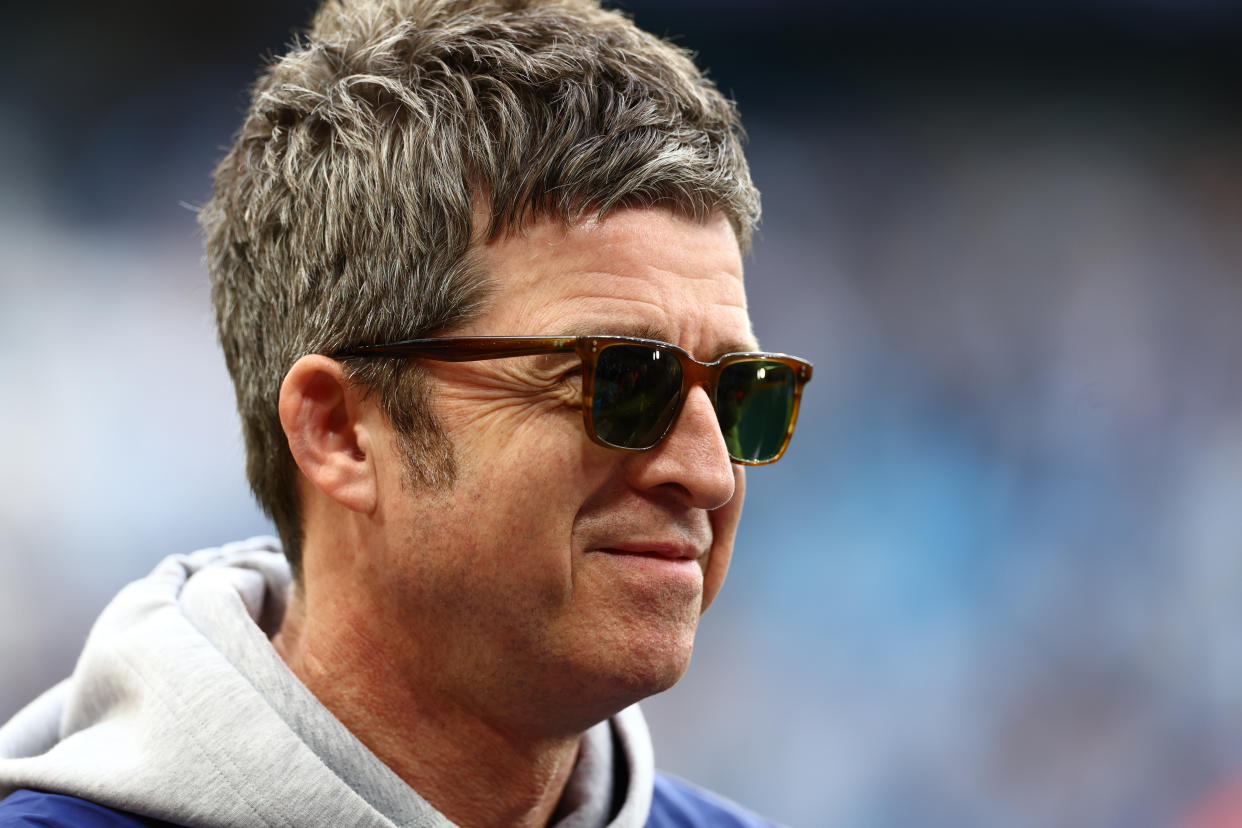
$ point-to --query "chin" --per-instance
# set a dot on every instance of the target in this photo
(664, 664)
(644, 665)
(616, 672)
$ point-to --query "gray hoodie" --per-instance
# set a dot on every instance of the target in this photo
(180, 709)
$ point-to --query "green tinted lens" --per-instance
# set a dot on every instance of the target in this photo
(755, 401)
(635, 395)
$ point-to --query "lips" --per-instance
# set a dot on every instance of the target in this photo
(666, 550)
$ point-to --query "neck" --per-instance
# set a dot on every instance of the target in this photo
(475, 771)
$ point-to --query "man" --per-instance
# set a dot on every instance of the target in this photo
(477, 274)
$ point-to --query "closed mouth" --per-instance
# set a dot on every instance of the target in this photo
(668, 552)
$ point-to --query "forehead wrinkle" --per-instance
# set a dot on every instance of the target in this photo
(595, 298)
(653, 275)
(645, 271)
(659, 288)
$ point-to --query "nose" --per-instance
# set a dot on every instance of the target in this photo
(692, 460)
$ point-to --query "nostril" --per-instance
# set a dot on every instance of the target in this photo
(693, 458)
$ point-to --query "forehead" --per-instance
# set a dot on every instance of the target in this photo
(645, 272)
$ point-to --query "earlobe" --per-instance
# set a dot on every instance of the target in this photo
(320, 413)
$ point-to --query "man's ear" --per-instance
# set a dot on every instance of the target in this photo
(320, 412)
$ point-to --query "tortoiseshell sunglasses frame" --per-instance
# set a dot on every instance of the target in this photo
(588, 348)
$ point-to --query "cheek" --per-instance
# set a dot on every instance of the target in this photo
(526, 493)
(724, 528)
(498, 545)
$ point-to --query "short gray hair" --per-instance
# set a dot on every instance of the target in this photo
(345, 211)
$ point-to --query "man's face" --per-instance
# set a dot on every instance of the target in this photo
(558, 579)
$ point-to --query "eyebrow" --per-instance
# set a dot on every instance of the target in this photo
(649, 331)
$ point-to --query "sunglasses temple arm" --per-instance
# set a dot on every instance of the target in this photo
(465, 350)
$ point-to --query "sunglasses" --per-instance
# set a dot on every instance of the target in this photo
(633, 389)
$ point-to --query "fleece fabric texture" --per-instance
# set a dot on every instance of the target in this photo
(179, 709)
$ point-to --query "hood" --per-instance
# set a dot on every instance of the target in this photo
(180, 709)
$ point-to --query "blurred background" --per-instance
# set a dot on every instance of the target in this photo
(997, 580)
